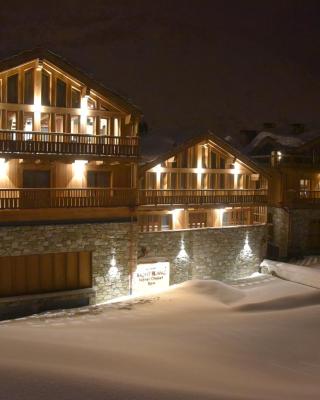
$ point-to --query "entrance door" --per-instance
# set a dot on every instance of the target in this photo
(40, 181)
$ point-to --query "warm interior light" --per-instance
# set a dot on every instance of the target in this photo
(3, 168)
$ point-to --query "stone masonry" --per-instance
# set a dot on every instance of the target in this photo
(104, 240)
(211, 253)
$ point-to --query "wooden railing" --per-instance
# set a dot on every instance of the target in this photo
(11, 199)
(21, 142)
(303, 197)
(206, 196)
(288, 160)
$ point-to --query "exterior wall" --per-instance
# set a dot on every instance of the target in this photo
(300, 235)
(210, 253)
(103, 239)
(280, 229)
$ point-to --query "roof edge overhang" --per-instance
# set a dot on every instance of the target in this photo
(209, 136)
(66, 66)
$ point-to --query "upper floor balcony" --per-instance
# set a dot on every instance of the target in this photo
(303, 198)
(33, 198)
(183, 197)
(22, 143)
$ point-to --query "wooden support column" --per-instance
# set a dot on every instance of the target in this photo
(84, 110)
(37, 96)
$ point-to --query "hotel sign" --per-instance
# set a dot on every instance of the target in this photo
(151, 277)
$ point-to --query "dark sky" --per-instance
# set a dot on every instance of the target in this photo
(190, 65)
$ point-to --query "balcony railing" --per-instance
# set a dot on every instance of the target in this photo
(288, 160)
(303, 197)
(198, 197)
(12, 199)
(21, 142)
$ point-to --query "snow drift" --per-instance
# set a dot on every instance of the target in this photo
(294, 273)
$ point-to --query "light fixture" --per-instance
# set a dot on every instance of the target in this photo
(182, 255)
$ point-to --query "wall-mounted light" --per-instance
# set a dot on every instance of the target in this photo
(157, 169)
(3, 168)
(246, 251)
(113, 270)
(182, 255)
(78, 167)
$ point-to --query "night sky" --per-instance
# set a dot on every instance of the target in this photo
(189, 65)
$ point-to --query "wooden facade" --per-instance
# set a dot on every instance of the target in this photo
(68, 143)
(65, 141)
(203, 183)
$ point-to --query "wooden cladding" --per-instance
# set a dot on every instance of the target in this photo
(21, 142)
(11, 199)
(206, 196)
(44, 273)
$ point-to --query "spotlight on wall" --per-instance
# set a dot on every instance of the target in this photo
(246, 251)
(113, 270)
(182, 255)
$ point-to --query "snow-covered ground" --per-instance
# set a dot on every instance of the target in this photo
(198, 341)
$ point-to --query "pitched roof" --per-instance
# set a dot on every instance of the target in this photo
(209, 136)
(83, 77)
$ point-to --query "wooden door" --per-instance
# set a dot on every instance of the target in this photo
(43, 273)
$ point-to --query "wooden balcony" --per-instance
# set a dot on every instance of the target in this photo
(303, 198)
(43, 143)
(15, 199)
(203, 197)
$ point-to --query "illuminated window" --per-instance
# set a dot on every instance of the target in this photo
(75, 123)
(12, 89)
(28, 89)
(304, 184)
(45, 88)
(45, 122)
(104, 126)
(91, 104)
(28, 122)
(116, 127)
(59, 120)
(61, 93)
(12, 120)
(75, 98)
(91, 124)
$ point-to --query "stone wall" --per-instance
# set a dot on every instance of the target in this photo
(291, 232)
(102, 239)
(211, 253)
(301, 240)
(280, 230)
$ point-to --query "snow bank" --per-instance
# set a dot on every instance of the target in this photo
(304, 275)
(188, 343)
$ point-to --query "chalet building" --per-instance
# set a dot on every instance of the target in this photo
(293, 165)
(82, 221)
